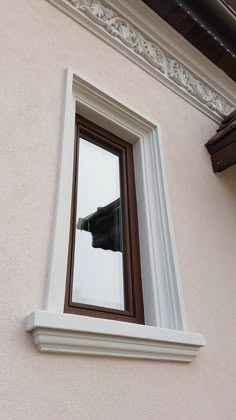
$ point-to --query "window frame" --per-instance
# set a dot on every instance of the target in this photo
(134, 311)
(165, 335)
(162, 292)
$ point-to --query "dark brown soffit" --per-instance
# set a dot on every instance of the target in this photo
(208, 25)
(222, 146)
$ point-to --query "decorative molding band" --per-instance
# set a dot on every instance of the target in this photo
(65, 333)
(172, 70)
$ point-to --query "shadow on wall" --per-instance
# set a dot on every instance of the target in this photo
(228, 181)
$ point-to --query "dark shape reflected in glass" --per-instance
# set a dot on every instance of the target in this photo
(105, 226)
(98, 261)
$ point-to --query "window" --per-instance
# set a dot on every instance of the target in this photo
(164, 335)
(103, 275)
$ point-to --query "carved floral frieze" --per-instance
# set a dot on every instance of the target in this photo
(173, 70)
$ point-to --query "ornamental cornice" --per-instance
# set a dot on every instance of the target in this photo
(172, 70)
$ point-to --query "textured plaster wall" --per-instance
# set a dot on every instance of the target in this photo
(37, 43)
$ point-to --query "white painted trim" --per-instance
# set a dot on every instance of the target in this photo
(163, 300)
(66, 333)
(58, 266)
(144, 38)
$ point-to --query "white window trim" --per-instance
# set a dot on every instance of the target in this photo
(76, 334)
(165, 334)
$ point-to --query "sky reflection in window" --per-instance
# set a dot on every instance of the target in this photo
(98, 260)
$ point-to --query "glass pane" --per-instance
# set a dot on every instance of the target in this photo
(98, 262)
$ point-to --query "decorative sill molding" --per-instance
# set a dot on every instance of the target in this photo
(66, 333)
(94, 15)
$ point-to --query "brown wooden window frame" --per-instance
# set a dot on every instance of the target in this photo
(134, 311)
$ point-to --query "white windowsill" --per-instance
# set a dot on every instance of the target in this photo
(66, 333)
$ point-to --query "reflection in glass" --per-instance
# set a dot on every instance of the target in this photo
(98, 260)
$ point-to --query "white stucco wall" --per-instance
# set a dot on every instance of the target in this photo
(37, 43)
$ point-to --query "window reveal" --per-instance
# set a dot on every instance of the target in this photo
(103, 277)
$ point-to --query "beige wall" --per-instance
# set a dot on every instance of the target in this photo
(37, 43)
